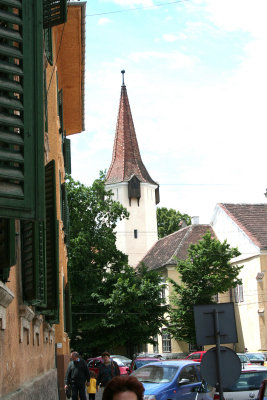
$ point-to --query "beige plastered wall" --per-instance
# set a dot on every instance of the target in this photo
(27, 343)
(55, 152)
(251, 313)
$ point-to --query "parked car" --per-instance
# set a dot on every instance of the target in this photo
(125, 360)
(172, 380)
(256, 358)
(195, 356)
(155, 355)
(141, 361)
(244, 359)
(94, 365)
(247, 386)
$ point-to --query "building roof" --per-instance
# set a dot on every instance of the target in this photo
(175, 245)
(126, 158)
(251, 218)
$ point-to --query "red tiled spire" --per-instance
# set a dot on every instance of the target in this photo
(126, 158)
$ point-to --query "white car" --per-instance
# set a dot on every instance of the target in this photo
(247, 386)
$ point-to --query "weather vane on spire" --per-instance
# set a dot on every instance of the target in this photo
(123, 72)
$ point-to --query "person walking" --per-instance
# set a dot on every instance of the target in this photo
(107, 371)
(91, 388)
(76, 376)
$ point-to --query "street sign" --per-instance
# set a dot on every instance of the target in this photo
(204, 323)
(230, 367)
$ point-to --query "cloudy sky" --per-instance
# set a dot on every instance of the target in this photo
(196, 77)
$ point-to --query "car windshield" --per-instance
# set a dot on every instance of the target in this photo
(255, 356)
(156, 374)
(248, 381)
(243, 358)
(140, 363)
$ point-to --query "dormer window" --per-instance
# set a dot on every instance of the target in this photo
(134, 191)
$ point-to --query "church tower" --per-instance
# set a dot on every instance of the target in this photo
(133, 187)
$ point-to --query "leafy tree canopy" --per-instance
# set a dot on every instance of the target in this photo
(206, 272)
(112, 303)
(170, 220)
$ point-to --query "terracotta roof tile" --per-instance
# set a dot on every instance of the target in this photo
(251, 218)
(126, 158)
(176, 244)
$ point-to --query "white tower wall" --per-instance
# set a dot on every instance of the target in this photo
(136, 235)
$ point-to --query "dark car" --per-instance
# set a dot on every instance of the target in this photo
(256, 358)
(94, 365)
(141, 361)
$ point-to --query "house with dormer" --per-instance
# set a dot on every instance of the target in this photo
(244, 226)
(162, 258)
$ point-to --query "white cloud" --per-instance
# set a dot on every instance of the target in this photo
(170, 37)
(134, 2)
(103, 21)
(194, 131)
(175, 59)
(246, 15)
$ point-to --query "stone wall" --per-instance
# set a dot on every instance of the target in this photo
(42, 387)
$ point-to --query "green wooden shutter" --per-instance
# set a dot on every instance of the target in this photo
(21, 109)
(33, 262)
(7, 247)
(67, 155)
(52, 244)
(60, 112)
(65, 209)
(68, 315)
(48, 45)
(45, 103)
(55, 12)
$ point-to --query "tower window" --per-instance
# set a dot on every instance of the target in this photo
(135, 233)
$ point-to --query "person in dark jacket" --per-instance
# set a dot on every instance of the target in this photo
(76, 376)
(107, 370)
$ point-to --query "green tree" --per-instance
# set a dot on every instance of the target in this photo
(112, 304)
(206, 272)
(170, 220)
(132, 306)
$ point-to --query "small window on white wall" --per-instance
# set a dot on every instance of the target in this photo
(135, 233)
(238, 294)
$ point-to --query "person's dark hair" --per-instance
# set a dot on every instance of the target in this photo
(105, 353)
(92, 374)
(123, 384)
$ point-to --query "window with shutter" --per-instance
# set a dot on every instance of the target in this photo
(60, 113)
(7, 247)
(55, 12)
(48, 45)
(65, 211)
(68, 316)
(52, 245)
(21, 109)
(33, 262)
(67, 155)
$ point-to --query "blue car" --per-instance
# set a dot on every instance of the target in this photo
(172, 380)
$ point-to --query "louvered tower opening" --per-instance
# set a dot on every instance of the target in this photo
(11, 100)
